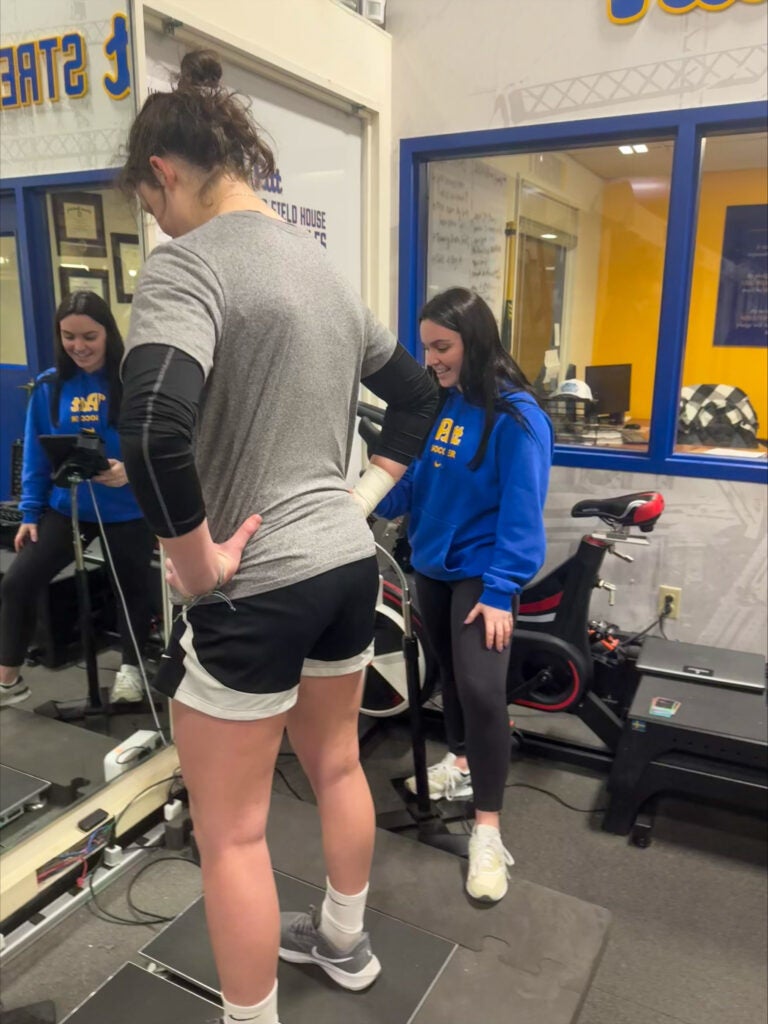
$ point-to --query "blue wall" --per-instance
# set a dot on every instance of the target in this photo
(12, 412)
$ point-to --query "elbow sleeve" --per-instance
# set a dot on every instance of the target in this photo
(412, 401)
(161, 393)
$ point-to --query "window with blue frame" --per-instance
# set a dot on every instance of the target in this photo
(625, 261)
(567, 247)
(724, 395)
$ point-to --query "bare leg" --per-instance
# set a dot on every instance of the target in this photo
(322, 728)
(227, 767)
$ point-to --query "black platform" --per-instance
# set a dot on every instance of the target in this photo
(135, 996)
(411, 960)
(529, 959)
(17, 789)
(714, 748)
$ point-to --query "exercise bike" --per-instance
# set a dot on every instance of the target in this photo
(561, 660)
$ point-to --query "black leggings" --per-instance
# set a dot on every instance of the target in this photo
(131, 544)
(474, 682)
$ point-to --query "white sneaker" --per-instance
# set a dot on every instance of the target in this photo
(13, 693)
(446, 781)
(127, 686)
(489, 864)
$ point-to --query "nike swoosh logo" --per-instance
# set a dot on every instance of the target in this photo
(437, 464)
(329, 959)
(166, 656)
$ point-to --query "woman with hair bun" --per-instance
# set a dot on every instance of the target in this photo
(246, 339)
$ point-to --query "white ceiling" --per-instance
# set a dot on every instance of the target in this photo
(721, 153)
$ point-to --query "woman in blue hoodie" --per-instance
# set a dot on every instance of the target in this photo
(476, 501)
(81, 393)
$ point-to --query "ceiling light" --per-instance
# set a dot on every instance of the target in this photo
(75, 266)
(626, 150)
(549, 236)
(640, 148)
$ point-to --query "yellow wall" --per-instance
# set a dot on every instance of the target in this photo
(629, 285)
(629, 289)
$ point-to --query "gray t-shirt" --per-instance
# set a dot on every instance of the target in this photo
(283, 341)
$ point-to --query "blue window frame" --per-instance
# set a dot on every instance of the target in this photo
(686, 128)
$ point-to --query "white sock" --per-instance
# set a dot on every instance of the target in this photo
(341, 917)
(264, 1012)
(487, 831)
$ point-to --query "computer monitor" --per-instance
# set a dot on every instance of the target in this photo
(610, 386)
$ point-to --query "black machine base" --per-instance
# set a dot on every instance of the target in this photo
(429, 827)
(713, 748)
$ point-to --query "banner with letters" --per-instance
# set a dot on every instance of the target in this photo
(66, 90)
(742, 295)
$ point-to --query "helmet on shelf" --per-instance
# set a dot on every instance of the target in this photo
(574, 389)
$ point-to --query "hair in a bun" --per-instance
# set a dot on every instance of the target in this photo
(200, 69)
(201, 121)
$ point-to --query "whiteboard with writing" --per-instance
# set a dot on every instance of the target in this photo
(467, 220)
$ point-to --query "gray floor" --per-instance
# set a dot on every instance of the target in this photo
(688, 938)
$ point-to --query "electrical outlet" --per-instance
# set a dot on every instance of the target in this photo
(675, 594)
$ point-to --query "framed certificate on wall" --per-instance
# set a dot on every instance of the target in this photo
(76, 280)
(126, 261)
(79, 223)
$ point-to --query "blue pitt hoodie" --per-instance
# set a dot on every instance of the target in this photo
(83, 405)
(486, 522)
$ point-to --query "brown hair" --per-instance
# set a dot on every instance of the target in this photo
(200, 121)
(92, 305)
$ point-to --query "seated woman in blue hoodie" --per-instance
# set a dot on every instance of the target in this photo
(81, 393)
(476, 501)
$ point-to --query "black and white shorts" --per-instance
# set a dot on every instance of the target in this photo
(244, 660)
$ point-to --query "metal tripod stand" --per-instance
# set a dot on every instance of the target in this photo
(419, 812)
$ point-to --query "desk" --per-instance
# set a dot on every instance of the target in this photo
(604, 438)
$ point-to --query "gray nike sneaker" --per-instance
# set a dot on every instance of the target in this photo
(301, 942)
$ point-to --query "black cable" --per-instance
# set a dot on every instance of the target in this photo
(151, 916)
(659, 621)
(175, 778)
(279, 771)
(97, 910)
(150, 913)
(554, 796)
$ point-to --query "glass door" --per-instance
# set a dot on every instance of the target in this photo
(14, 370)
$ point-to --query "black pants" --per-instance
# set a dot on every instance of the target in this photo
(131, 544)
(474, 682)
